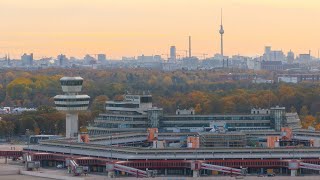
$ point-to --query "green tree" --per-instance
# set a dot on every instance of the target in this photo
(293, 109)
(304, 111)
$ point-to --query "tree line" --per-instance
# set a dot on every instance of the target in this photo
(206, 91)
(46, 120)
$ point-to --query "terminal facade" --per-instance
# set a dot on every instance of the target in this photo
(136, 114)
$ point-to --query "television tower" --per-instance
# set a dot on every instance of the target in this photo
(221, 33)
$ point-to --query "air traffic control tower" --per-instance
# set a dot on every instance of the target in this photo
(71, 102)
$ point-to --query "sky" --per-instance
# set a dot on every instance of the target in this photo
(134, 27)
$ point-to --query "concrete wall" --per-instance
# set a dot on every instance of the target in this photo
(8, 169)
(52, 176)
(9, 172)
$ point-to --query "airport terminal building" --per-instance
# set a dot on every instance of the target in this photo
(136, 114)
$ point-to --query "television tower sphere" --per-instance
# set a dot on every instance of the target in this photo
(221, 31)
(72, 103)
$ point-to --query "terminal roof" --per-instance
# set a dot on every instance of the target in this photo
(71, 78)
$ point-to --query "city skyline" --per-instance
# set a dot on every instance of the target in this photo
(131, 28)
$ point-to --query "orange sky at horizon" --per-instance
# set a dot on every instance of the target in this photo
(134, 27)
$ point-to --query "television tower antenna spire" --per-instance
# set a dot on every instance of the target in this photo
(221, 34)
(221, 17)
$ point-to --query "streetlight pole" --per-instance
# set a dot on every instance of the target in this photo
(70, 147)
(28, 140)
(111, 147)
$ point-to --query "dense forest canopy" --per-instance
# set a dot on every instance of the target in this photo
(205, 91)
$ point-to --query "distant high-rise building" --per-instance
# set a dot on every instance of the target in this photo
(7, 59)
(271, 55)
(267, 49)
(27, 60)
(173, 53)
(89, 59)
(190, 63)
(62, 60)
(128, 58)
(277, 56)
(290, 57)
(102, 57)
(157, 58)
(304, 57)
(143, 58)
(267, 52)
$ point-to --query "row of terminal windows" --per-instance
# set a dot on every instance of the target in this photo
(119, 118)
(158, 164)
(123, 105)
(183, 118)
(72, 105)
(146, 99)
(258, 112)
(184, 125)
(72, 100)
(251, 163)
(120, 126)
(206, 125)
(122, 112)
(72, 83)
(249, 124)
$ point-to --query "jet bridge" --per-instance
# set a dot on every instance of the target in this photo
(130, 170)
(224, 169)
(196, 166)
(74, 168)
(294, 165)
(309, 166)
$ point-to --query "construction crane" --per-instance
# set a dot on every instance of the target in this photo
(186, 51)
(204, 55)
(165, 55)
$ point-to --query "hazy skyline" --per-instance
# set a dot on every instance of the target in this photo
(133, 27)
